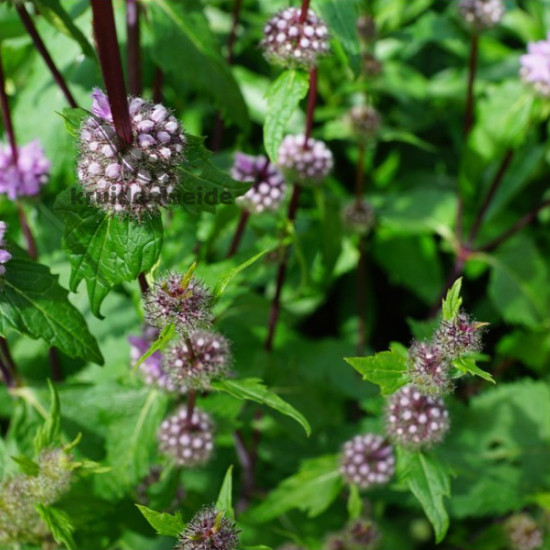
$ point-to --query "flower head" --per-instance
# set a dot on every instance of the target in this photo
(481, 14)
(367, 460)
(361, 534)
(210, 529)
(458, 337)
(535, 66)
(307, 164)
(136, 180)
(358, 216)
(187, 442)
(27, 175)
(429, 368)
(523, 532)
(415, 420)
(181, 300)
(195, 361)
(5, 256)
(289, 42)
(365, 121)
(268, 189)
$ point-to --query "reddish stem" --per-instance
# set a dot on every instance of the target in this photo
(191, 400)
(472, 70)
(360, 174)
(362, 297)
(29, 237)
(55, 365)
(239, 232)
(311, 102)
(41, 47)
(143, 284)
(111, 67)
(133, 46)
(157, 85)
(305, 8)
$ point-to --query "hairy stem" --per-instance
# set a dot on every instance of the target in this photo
(111, 67)
(133, 46)
(41, 47)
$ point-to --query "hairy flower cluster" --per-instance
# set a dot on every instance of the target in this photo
(151, 369)
(210, 529)
(268, 189)
(523, 532)
(134, 180)
(481, 14)
(187, 442)
(365, 121)
(20, 523)
(5, 256)
(25, 176)
(358, 216)
(416, 420)
(430, 368)
(367, 460)
(194, 362)
(535, 66)
(460, 336)
(372, 67)
(306, 163)
(181, 300)
(292, 43)
(360, 534)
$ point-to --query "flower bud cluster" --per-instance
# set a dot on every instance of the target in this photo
(481, 14)
(365, 121)
(5, 256)
(523, 532)
(360, 534)
(358, 216)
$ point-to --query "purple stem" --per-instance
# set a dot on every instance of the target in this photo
(133, 46)
(239, 232)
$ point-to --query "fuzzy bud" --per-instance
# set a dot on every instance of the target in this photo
(195, 361)
(365, 121)
(188, 443)
(294, 44)
(429, 368)
(136, 180)
(268, 189)
(367, 460)
(481, 14)
(358, 216)
(209, 530)
(5, 256)
(180, 300)
(358, 535)
(308, 165)
(415, 420)
(458, 337)
(535, 66)
(24, 178)
(523, 532)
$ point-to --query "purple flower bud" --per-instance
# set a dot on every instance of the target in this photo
(535, 66)
(481, 14)
(365, 121)
(27, 176)
(290, 43)
(176, 299)
(5, 256)
(430, 368)
(268, 189)
(415, 420)
(308, 165)
(358, 216)
(523, 532)
(100, 105)
(367, 461)
(209, 530)
(458, 337)
(187, 443)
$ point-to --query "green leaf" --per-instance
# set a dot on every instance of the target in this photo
(166, 334)
(355, 504)
(53, 12)
(32, 302)
(59, 524)
(341, 18)
(452, 302)
(467, 365)
(105, 250)
(311, 490)
(428, 479)
(224, 502)
(47, 434)
(232, 273)
(181, 34)
(253, 389)
(164, 524)
(26, 465)
(73, 119)
(387, 369)
(283, 96)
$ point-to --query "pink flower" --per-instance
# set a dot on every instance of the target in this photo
(535, 66)
(100, 105)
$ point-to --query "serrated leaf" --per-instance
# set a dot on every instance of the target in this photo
(387, 369)
(232, 273)
(59, 524)
(166, 334)
(32, 302)
(224, 502)
(467, 365)
(429, 480)
(48, 433)
(26, 465)
(452, 302)
(73, 119)
(253, 389)
(164, 524)
(283, 96)
(355, 504)
(311, 490)
(105, 250)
